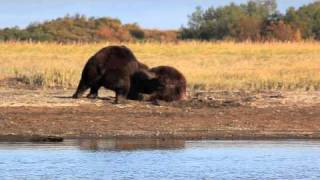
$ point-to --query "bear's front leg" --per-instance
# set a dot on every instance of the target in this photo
(121, 95)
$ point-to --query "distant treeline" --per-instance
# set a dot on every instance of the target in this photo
(256, 20)
(79, 28)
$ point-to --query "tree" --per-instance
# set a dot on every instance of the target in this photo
(255, 20)
(306, 19)
(135, 31)
(239, 22)
(79, 28)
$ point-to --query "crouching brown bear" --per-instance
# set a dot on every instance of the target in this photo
(112, 68)
(162, 82)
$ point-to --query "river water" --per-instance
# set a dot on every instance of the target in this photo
(160, 159)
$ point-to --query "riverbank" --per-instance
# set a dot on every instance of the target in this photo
(27, 113)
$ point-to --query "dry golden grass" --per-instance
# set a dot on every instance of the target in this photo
(224, 65)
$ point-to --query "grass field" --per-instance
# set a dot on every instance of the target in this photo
(224, 65)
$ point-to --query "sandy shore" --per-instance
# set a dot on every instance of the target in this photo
(28, 112)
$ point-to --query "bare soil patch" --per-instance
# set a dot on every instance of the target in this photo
(26, 112)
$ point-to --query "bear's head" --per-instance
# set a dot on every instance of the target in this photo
(146, 82)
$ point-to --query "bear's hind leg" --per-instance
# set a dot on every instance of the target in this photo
(93, 92)
(80, 90)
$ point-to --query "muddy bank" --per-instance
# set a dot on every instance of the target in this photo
(205, 115)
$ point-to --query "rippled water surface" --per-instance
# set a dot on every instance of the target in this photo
(160, 159)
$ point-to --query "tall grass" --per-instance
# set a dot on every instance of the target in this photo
(222, 65)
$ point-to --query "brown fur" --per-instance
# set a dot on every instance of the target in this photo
(111, 67)
(162, 82)
(143, 82)
(173, 81)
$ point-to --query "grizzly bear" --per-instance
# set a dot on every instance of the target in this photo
(111, 67)
(162, 82)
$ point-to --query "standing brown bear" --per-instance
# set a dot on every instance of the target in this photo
(162, 82)
(111, 67)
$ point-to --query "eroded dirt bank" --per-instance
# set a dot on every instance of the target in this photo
(205, 115)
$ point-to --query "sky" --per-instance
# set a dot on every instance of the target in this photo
(160, 14)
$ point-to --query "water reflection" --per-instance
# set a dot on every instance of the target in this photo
(133, 144)
(160, 159)
(154, 144)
